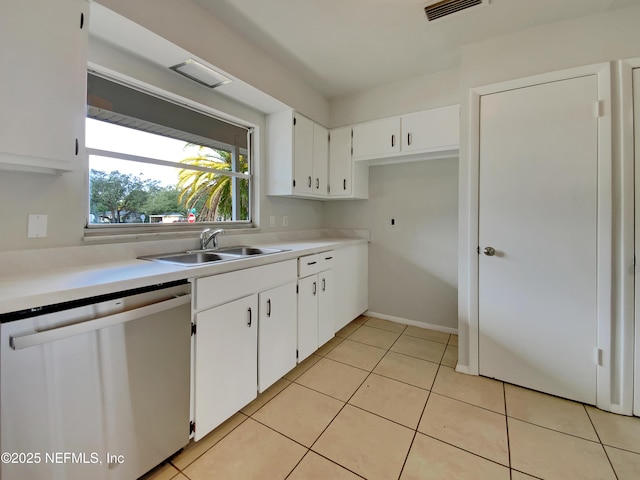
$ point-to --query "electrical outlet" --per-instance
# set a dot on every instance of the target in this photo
(272, 221)
(285, 221)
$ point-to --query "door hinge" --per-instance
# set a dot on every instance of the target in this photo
(192, 427)
(599, 109)
(193, 329)
(599, 357)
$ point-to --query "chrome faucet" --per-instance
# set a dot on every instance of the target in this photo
(207, 236)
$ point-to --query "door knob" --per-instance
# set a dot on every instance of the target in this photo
(489, 251)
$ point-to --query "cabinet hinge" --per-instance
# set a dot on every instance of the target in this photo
(599, 108)
(193, 329)
(294, 121)
(192, 427)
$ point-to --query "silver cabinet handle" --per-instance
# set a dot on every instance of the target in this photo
(409, 138)
(249, 320)
(268, 307)
(324, 285)
(344, 184)
(317, 183)
(489, 251)
(60, 333)
(315, 287)
(393, 140)
(309, 182)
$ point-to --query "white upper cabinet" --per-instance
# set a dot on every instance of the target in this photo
(320, 160)
(346, 180)
(303, 145)
(416, 136)
(376, 139)
(437, 129)
(298, 151)
(43, 93)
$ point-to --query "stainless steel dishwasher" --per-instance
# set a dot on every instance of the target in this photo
(97, 388)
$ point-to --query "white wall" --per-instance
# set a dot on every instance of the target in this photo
(412, 266)
(64, 197)
(588, 40)
(411, 95)
(193, 28)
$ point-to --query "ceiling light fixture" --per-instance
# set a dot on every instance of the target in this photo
(200, 73)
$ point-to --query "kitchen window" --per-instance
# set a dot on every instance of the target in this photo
(153, 163)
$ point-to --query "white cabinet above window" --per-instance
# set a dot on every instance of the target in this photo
(43, 66)
(415, 136)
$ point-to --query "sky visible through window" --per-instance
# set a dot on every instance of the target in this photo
(106, 136)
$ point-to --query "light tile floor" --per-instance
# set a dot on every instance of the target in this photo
(382, 401)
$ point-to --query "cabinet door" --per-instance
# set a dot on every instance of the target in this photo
(431, 130)
(376, 139)
(226, 362)
(351, 271)
(43, 82)
(307, 316)
(303, 154)
(276, 334)
(340, 163)
(326, 307)
(320, 160)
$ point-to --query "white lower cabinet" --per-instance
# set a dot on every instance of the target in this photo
(316, 324)
(226, 360)
(351, 271)
(245, 339)
(276, 334)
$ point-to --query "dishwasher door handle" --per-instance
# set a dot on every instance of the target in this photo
(46, 336)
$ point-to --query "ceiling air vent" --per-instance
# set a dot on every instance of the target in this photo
(449, 7)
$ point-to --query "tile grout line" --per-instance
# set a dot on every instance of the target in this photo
(506, 423)
(415, 432)
(207, 450)
(600, 440)
(343, 407)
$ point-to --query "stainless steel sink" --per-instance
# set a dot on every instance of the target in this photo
(190, 258)
(204, 257)
(248, 251)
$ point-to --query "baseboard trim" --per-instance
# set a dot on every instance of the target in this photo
(413, 323)
(463, 369)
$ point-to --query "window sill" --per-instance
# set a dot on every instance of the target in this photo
(110, 235)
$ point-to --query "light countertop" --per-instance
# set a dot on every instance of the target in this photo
(40, 287)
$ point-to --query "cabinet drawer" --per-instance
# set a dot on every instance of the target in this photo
(219, 289)
(311, 264)
(308, 265)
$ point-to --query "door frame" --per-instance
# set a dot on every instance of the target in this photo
(631, 160)
(612, 319)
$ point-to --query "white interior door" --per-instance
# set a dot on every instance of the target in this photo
(538, 210)
(636, 115)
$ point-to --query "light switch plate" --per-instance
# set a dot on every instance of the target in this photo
(37, 226)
